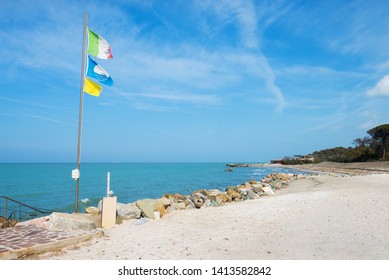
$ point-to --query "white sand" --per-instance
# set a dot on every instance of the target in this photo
(321, 217)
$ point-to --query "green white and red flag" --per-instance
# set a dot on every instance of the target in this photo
(98, 46)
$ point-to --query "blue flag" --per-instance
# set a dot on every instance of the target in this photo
(97, 72)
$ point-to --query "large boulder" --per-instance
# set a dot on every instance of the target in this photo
(160, 208)
(174, 197)
(92, 210)
(267, 191)
(222, 198)
(234, 194)
(72, 221)
(165, 201)
(147, 207)
(257, 188)
(150, 206)
(212, 192)
(198, 199)
(127, 211)
(179, 205)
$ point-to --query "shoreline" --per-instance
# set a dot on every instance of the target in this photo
(316, 217)
(353, 168)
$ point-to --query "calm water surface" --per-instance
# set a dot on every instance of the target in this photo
(50, 186)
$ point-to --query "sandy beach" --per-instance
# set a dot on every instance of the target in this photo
(317, 217)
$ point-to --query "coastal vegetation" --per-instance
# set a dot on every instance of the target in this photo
(369, 148)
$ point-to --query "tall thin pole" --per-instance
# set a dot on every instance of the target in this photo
(5, 213)
(81, 107)
(108, 183)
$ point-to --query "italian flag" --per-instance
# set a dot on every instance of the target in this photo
(98, 46)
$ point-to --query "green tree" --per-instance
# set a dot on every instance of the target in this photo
(363, 142)
(381, 134)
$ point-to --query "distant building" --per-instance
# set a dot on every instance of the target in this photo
(304, 158)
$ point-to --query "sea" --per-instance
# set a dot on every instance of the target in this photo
(51, 187)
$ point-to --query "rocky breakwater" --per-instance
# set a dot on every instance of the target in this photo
(157, 208)
(245, 164)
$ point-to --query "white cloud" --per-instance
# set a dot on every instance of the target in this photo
(180, 97)
(381, 88)
(250, 21)
(172, 96)
(193, 74)
(189, 67)
(369, 119)
(182, 72)
(366, 33)
(247, 19)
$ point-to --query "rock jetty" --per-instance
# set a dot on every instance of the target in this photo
(245, 164)
(157, 208)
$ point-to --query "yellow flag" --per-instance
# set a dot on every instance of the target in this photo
(92, 88)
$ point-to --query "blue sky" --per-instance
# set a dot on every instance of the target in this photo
(227, 81)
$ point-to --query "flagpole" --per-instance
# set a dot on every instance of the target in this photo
(77, 176)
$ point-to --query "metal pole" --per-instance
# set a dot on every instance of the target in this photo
(108, 183)
(5, 212)
(81, 107)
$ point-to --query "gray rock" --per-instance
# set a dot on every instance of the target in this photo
(215, 203)
(251, 195)
(213, 192)
(141, 221)
(207, 203)
(189, 204)
(165, 201)
(197, 200)
(92, 210)
(267, 190)
(243, 191)
(257, 190)
(171, 208)
(179, 205)
(127, 211)
(71, 221)
(147, 207)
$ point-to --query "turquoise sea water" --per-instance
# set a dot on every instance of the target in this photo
(50, 186)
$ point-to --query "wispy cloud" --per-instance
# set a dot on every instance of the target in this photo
(352, 28)
(201, 99)
(335, 121)
(186, 66)
(191, 70)
(181, 97)
(370, 119)
(366, 33)
(303, 70)
(381, 88)
(29, 104)
(248, 19)
(321, 82)
(184, 72)
(12, 107)
(257, 65)
(39, 117)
